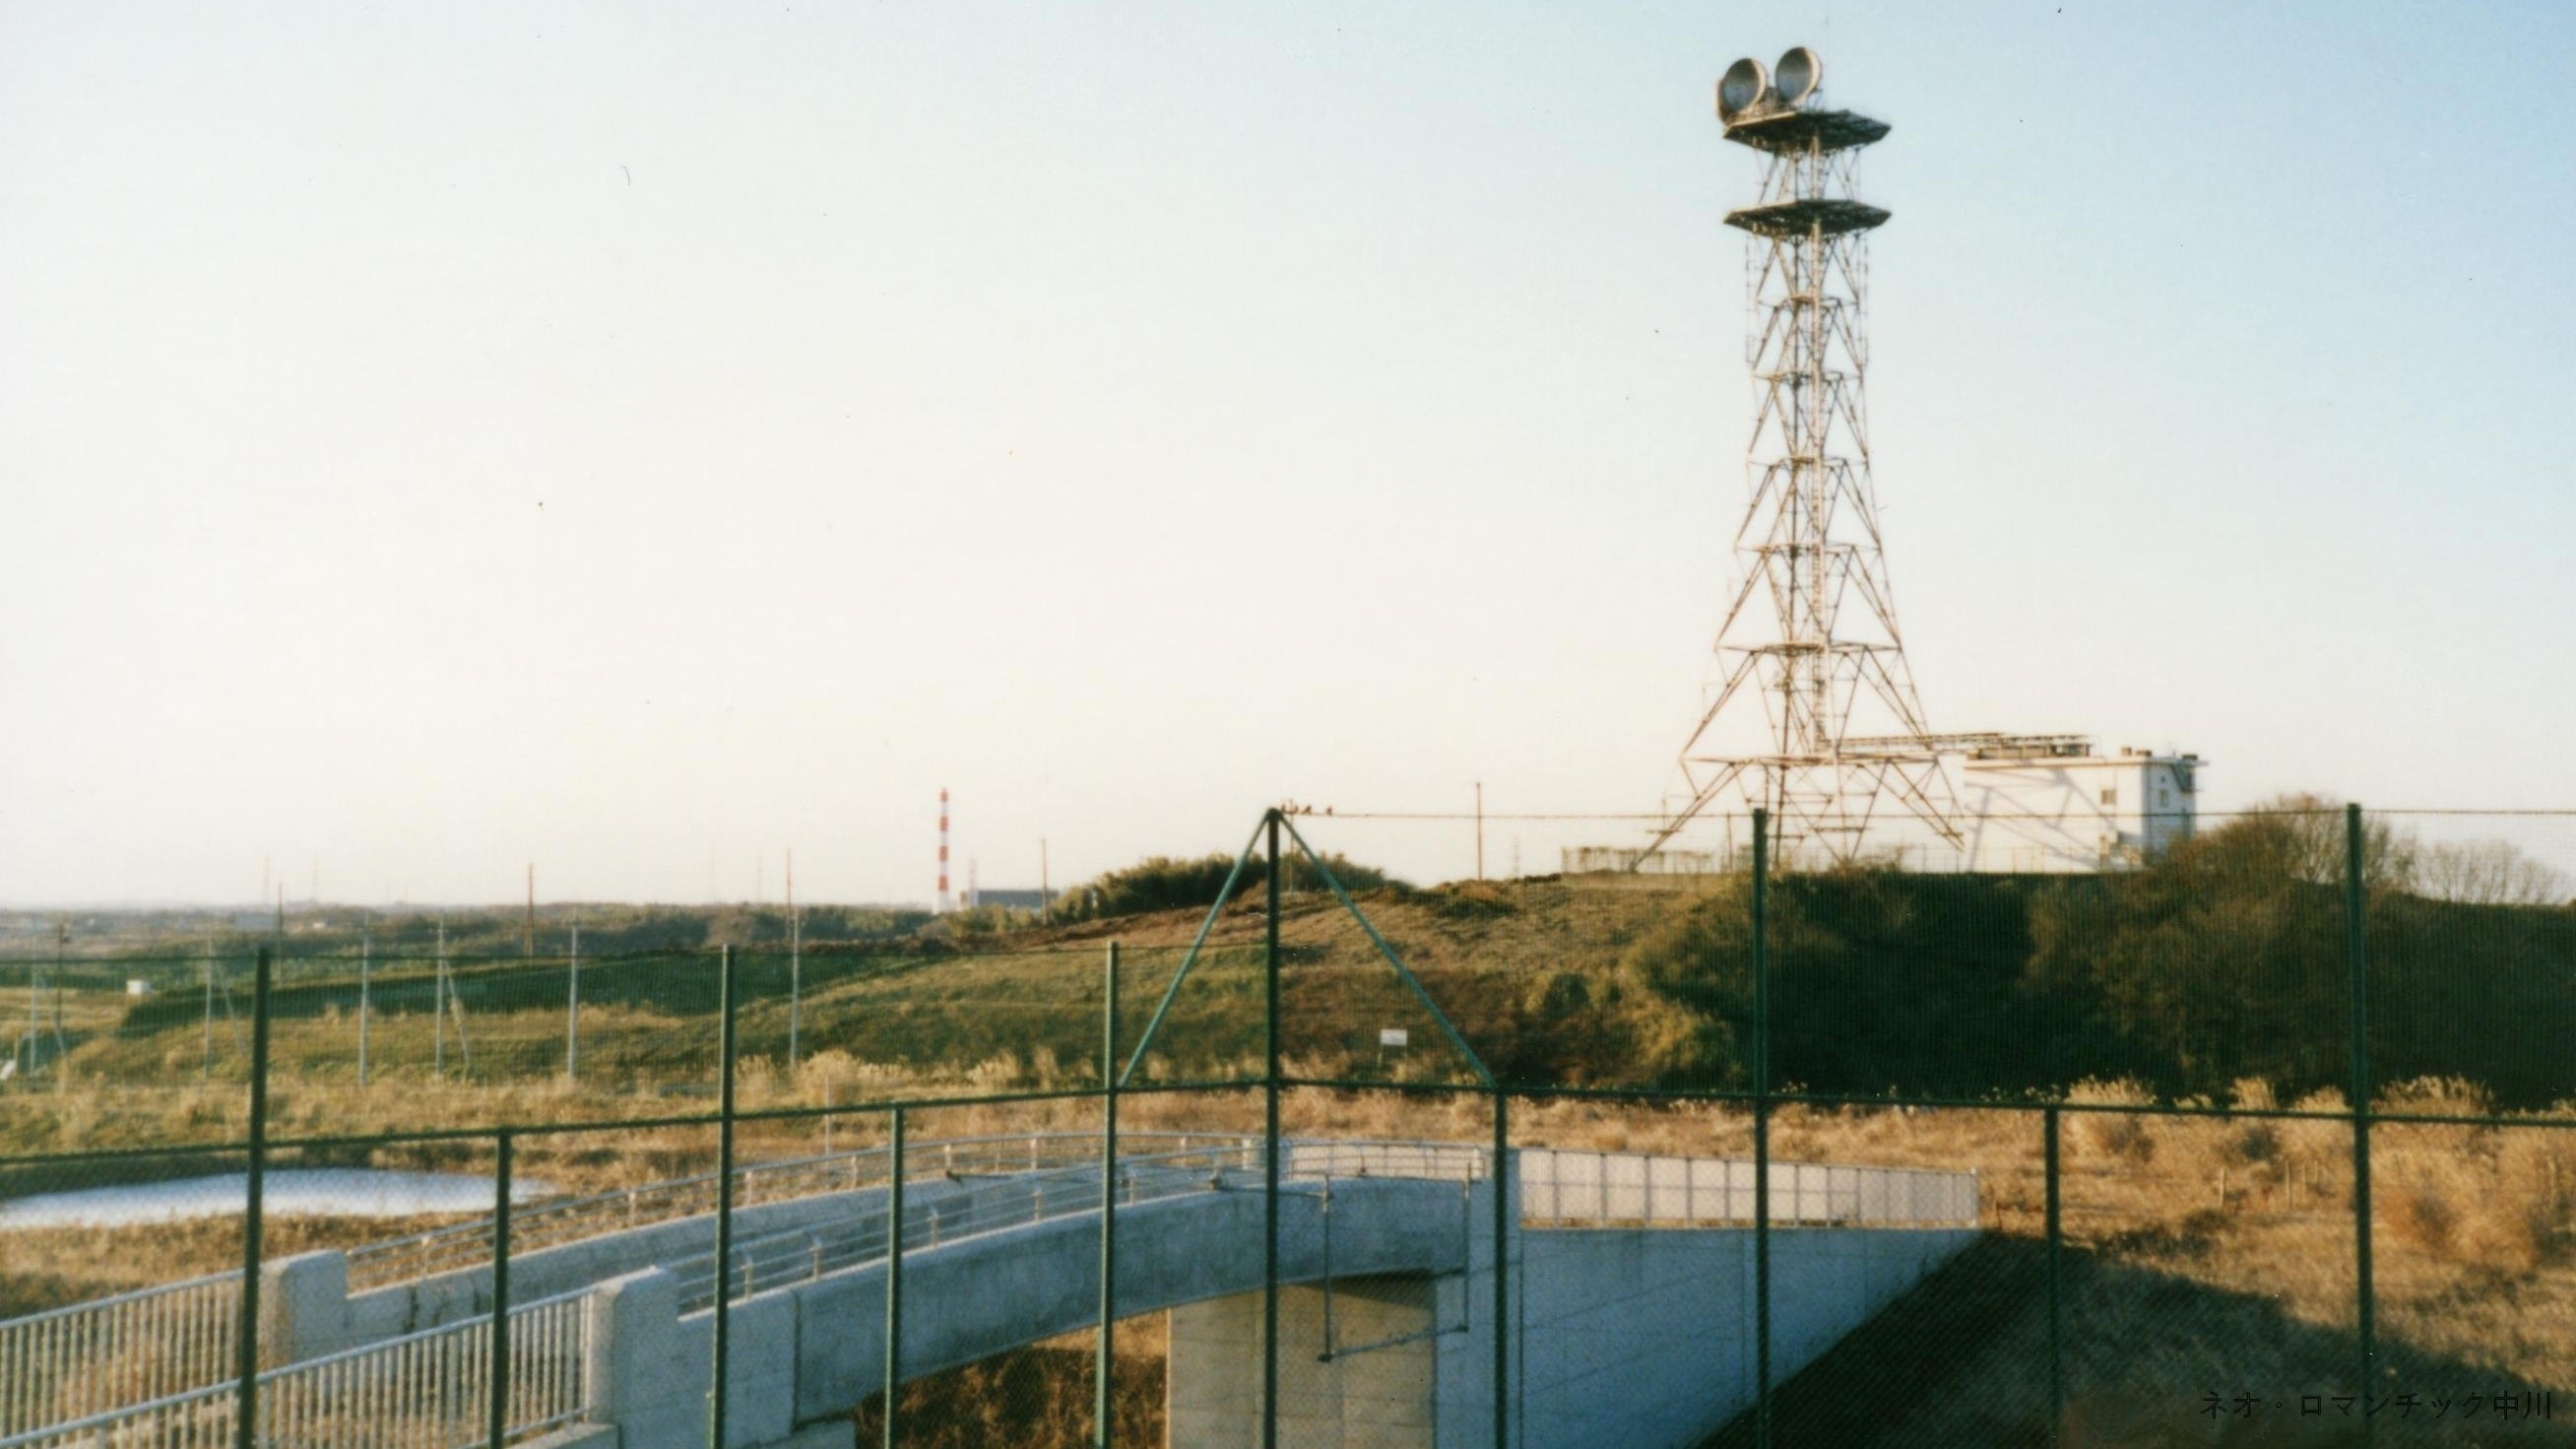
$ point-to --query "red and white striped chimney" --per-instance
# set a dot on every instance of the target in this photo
(943, 851)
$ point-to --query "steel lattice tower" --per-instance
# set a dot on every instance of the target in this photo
(1809, 633)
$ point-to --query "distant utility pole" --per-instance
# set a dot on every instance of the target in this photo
(572, 1012)
(62, 949)
(438, 1004)
(366, 965)
(208, 1069)
(528, 933)
(34, 1017)
(215, 985)
(456, 1002)
(1046, 897)
(1480, 830)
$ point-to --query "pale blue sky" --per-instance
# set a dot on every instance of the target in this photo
(637, 437)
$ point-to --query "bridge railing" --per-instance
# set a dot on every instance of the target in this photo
(1200, 1163)
(544, 1225)
(805, 1253)
(428, 1390)
(1363, 1157)
(88, 1357)
(1559, 1186)
(159, 1343)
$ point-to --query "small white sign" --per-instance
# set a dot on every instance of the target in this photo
(1391, 1036)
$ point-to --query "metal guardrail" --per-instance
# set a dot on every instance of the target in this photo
(566, 1220)
(1313, 1157)
(1560, 1186)
(803, 1254)
(427, 1390)
(90, 1357)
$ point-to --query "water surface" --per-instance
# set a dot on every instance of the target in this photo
(348, 1192)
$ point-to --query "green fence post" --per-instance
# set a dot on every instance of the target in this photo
(1270, 1156)
(246, 1332)
(2056, 1327)
(1761, 1131)
(498, 1426)
(894, 1276)
(1102, 1400)
(1502, 1185)
(724, 1205)
(2356, 905)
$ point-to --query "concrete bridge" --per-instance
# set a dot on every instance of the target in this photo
(1631, 1299)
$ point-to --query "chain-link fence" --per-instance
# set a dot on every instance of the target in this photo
(2273, 1138)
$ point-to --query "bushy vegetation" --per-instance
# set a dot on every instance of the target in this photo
(2223, 961)
(1164, 883)
(1032, 1398)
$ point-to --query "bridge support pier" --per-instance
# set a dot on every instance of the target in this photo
(1368, 1383)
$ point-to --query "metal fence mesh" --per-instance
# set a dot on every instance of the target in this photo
(2274, 1136)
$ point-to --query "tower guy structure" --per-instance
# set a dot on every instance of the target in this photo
(1815, 715)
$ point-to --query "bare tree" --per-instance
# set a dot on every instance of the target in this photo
(2487, 873)
(2308, 835)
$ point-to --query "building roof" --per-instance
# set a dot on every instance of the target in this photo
(2071, 762)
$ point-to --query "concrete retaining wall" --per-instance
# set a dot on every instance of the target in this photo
(1645, 1338)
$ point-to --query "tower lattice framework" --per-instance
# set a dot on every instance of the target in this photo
(1809, 636)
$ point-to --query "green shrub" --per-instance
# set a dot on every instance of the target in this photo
(1166, 883)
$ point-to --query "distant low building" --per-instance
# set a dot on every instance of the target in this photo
(2061, 812)
(1017, 900)
(1615, 859)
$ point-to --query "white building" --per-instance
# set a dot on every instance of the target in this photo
(1616, 859)
(2060, 807)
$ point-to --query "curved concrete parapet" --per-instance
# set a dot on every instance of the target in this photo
(812, 1351)
(1640, 1336)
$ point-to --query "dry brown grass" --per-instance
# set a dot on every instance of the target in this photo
(2126, 1135)
(2468, 1197)
(49, 1267)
